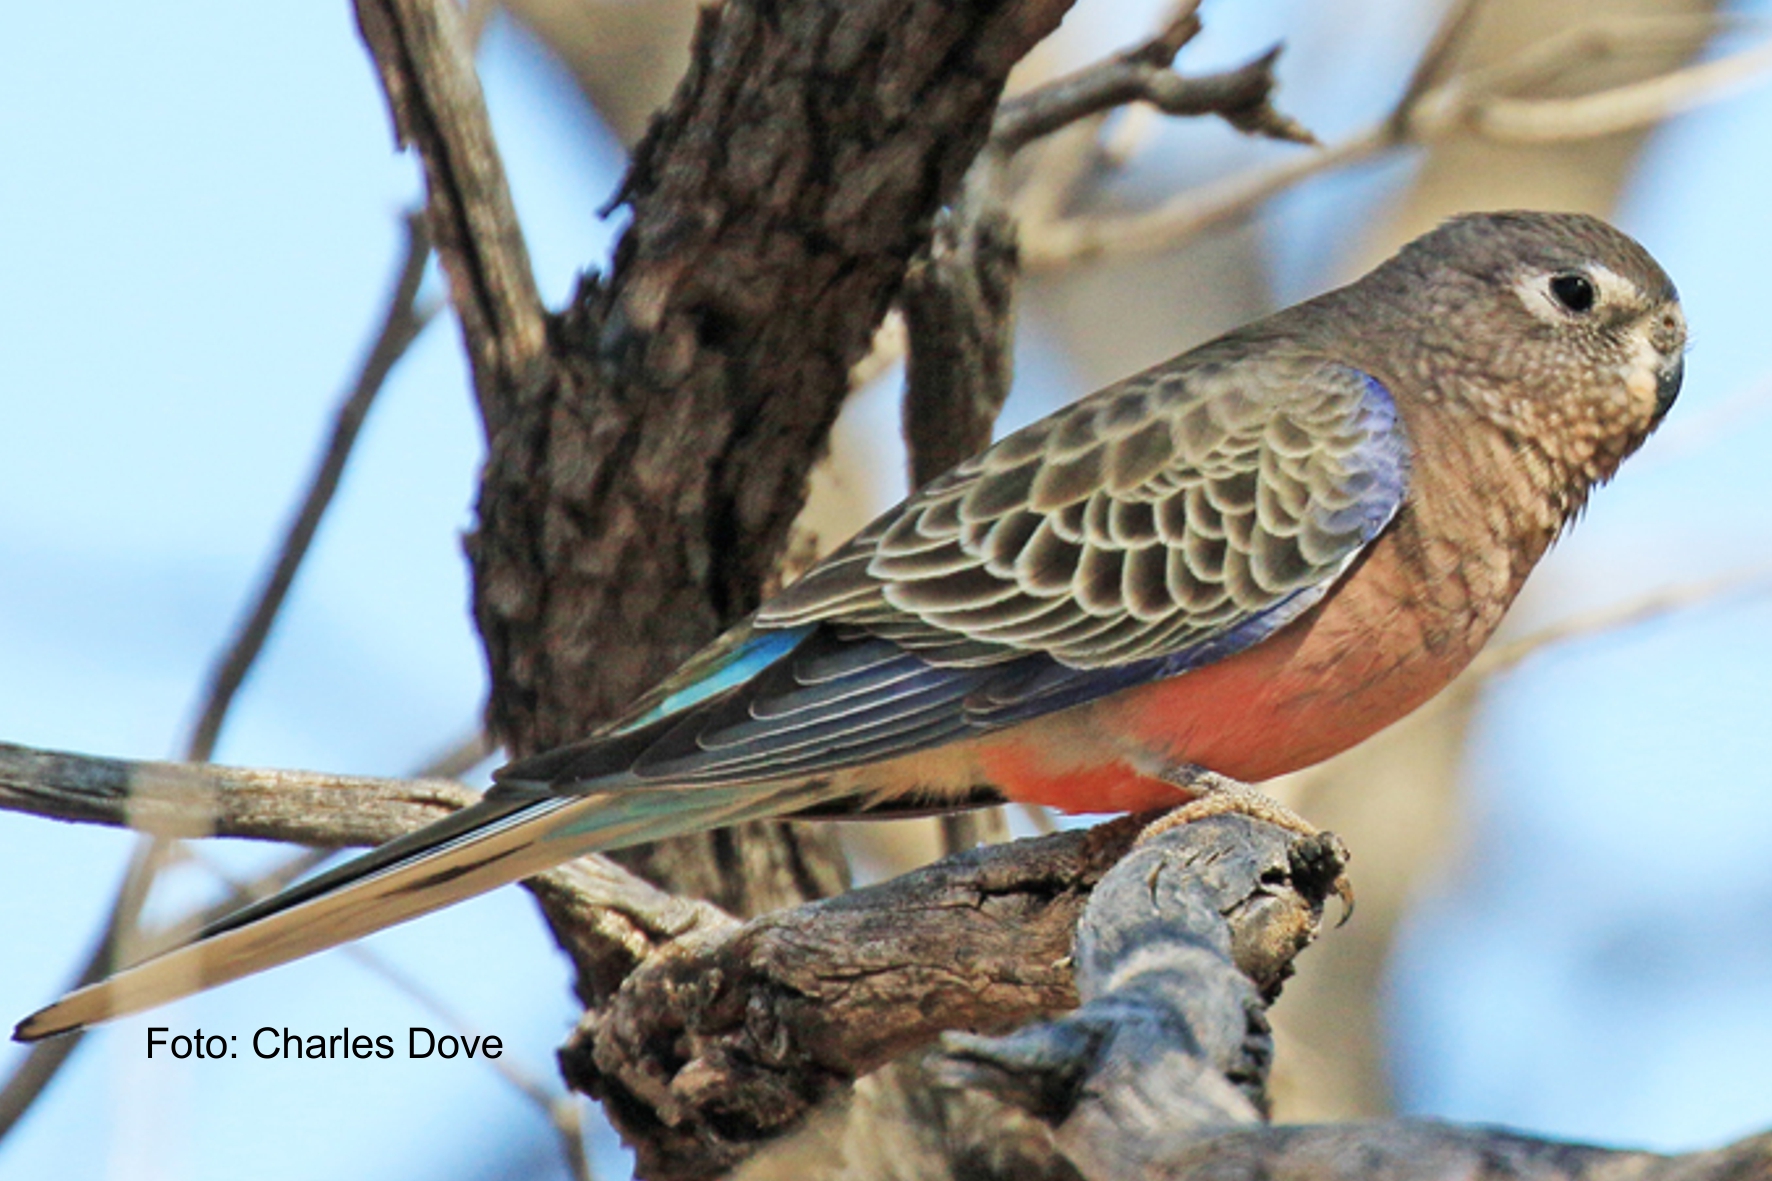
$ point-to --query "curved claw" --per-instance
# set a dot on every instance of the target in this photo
(1344, 893)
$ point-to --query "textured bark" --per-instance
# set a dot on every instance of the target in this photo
(189, 799)
(648, 450)
(639, 504)
(773, 222)
(1162, 1072)
(734, 1034)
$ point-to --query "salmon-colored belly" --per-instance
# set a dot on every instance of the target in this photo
(1336, 675)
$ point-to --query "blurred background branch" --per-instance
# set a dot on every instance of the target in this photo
(1512, 102)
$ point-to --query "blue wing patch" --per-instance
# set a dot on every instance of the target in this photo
(728, 670)
(857, 679)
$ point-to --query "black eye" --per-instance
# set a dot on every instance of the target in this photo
(1573, 291)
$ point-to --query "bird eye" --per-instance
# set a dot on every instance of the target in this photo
(1573, 291)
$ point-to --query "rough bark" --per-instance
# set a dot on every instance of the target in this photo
(639, 504)
(733, 1036)
(1163, 1070)
(649, 447)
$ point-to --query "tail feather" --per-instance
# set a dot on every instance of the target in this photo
(497, 841)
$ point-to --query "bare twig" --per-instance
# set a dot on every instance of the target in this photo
(424, 52)
(190, 799)
(32, 1076)
(1481, 105)
(1435, 61)
(402, 321)
(1242, 97)
(1500, 658)
(1433, 107)
(1074, 240)
(560, 1109)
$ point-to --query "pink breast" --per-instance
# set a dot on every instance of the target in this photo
(1357, 662)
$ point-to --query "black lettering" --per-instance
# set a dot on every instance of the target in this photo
(494, 1046)
(384, 1046)
(337, 1043)
(156, 1041)
(178, 1053)
(218, 1045)
(258, 1049)
(360, 1046)
(412, 1050)
(317, 1045)
(292, 1037)
(448, 1046)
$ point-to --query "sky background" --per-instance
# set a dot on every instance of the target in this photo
(199, 216)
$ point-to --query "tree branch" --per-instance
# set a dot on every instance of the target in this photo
(1241, 97)
(402, 321)
(1161, 1073)
(738, 1032)
(203, 799)
(424, 52)
(1433, 107)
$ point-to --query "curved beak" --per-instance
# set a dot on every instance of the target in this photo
(1668, 376)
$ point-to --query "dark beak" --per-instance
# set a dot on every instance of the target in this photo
(1667, 384)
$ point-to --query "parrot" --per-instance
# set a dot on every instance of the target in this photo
(1228, 567)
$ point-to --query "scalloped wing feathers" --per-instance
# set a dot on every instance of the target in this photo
(1162, 524)
(1155, 516)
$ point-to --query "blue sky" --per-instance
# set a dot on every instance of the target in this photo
(200, 217)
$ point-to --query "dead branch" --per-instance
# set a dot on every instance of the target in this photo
(731, 1036)
(402, 320)
(199, 799)
(424, 52)
(1241, 97)
(1162, 1071)
(1434, 107)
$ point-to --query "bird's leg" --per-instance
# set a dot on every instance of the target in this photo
(1219, 795)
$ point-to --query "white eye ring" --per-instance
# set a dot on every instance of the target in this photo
(1604, 287)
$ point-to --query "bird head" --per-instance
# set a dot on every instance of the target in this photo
(1560, 330)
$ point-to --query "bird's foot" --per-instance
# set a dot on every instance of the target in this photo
(1220, 795)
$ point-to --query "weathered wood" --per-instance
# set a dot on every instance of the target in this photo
(636, 506)
(1179, 952)
(731, 1037)
(1161, 1073)
(200, 799)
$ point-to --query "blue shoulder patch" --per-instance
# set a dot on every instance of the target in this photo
(748, 658)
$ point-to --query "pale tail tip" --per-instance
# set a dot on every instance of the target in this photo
(42, 1024)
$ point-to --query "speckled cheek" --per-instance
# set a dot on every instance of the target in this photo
(1639, 374)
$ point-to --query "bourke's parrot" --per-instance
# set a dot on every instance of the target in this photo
(1227, 567)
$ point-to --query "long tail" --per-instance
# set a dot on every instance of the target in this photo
(500, 840)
